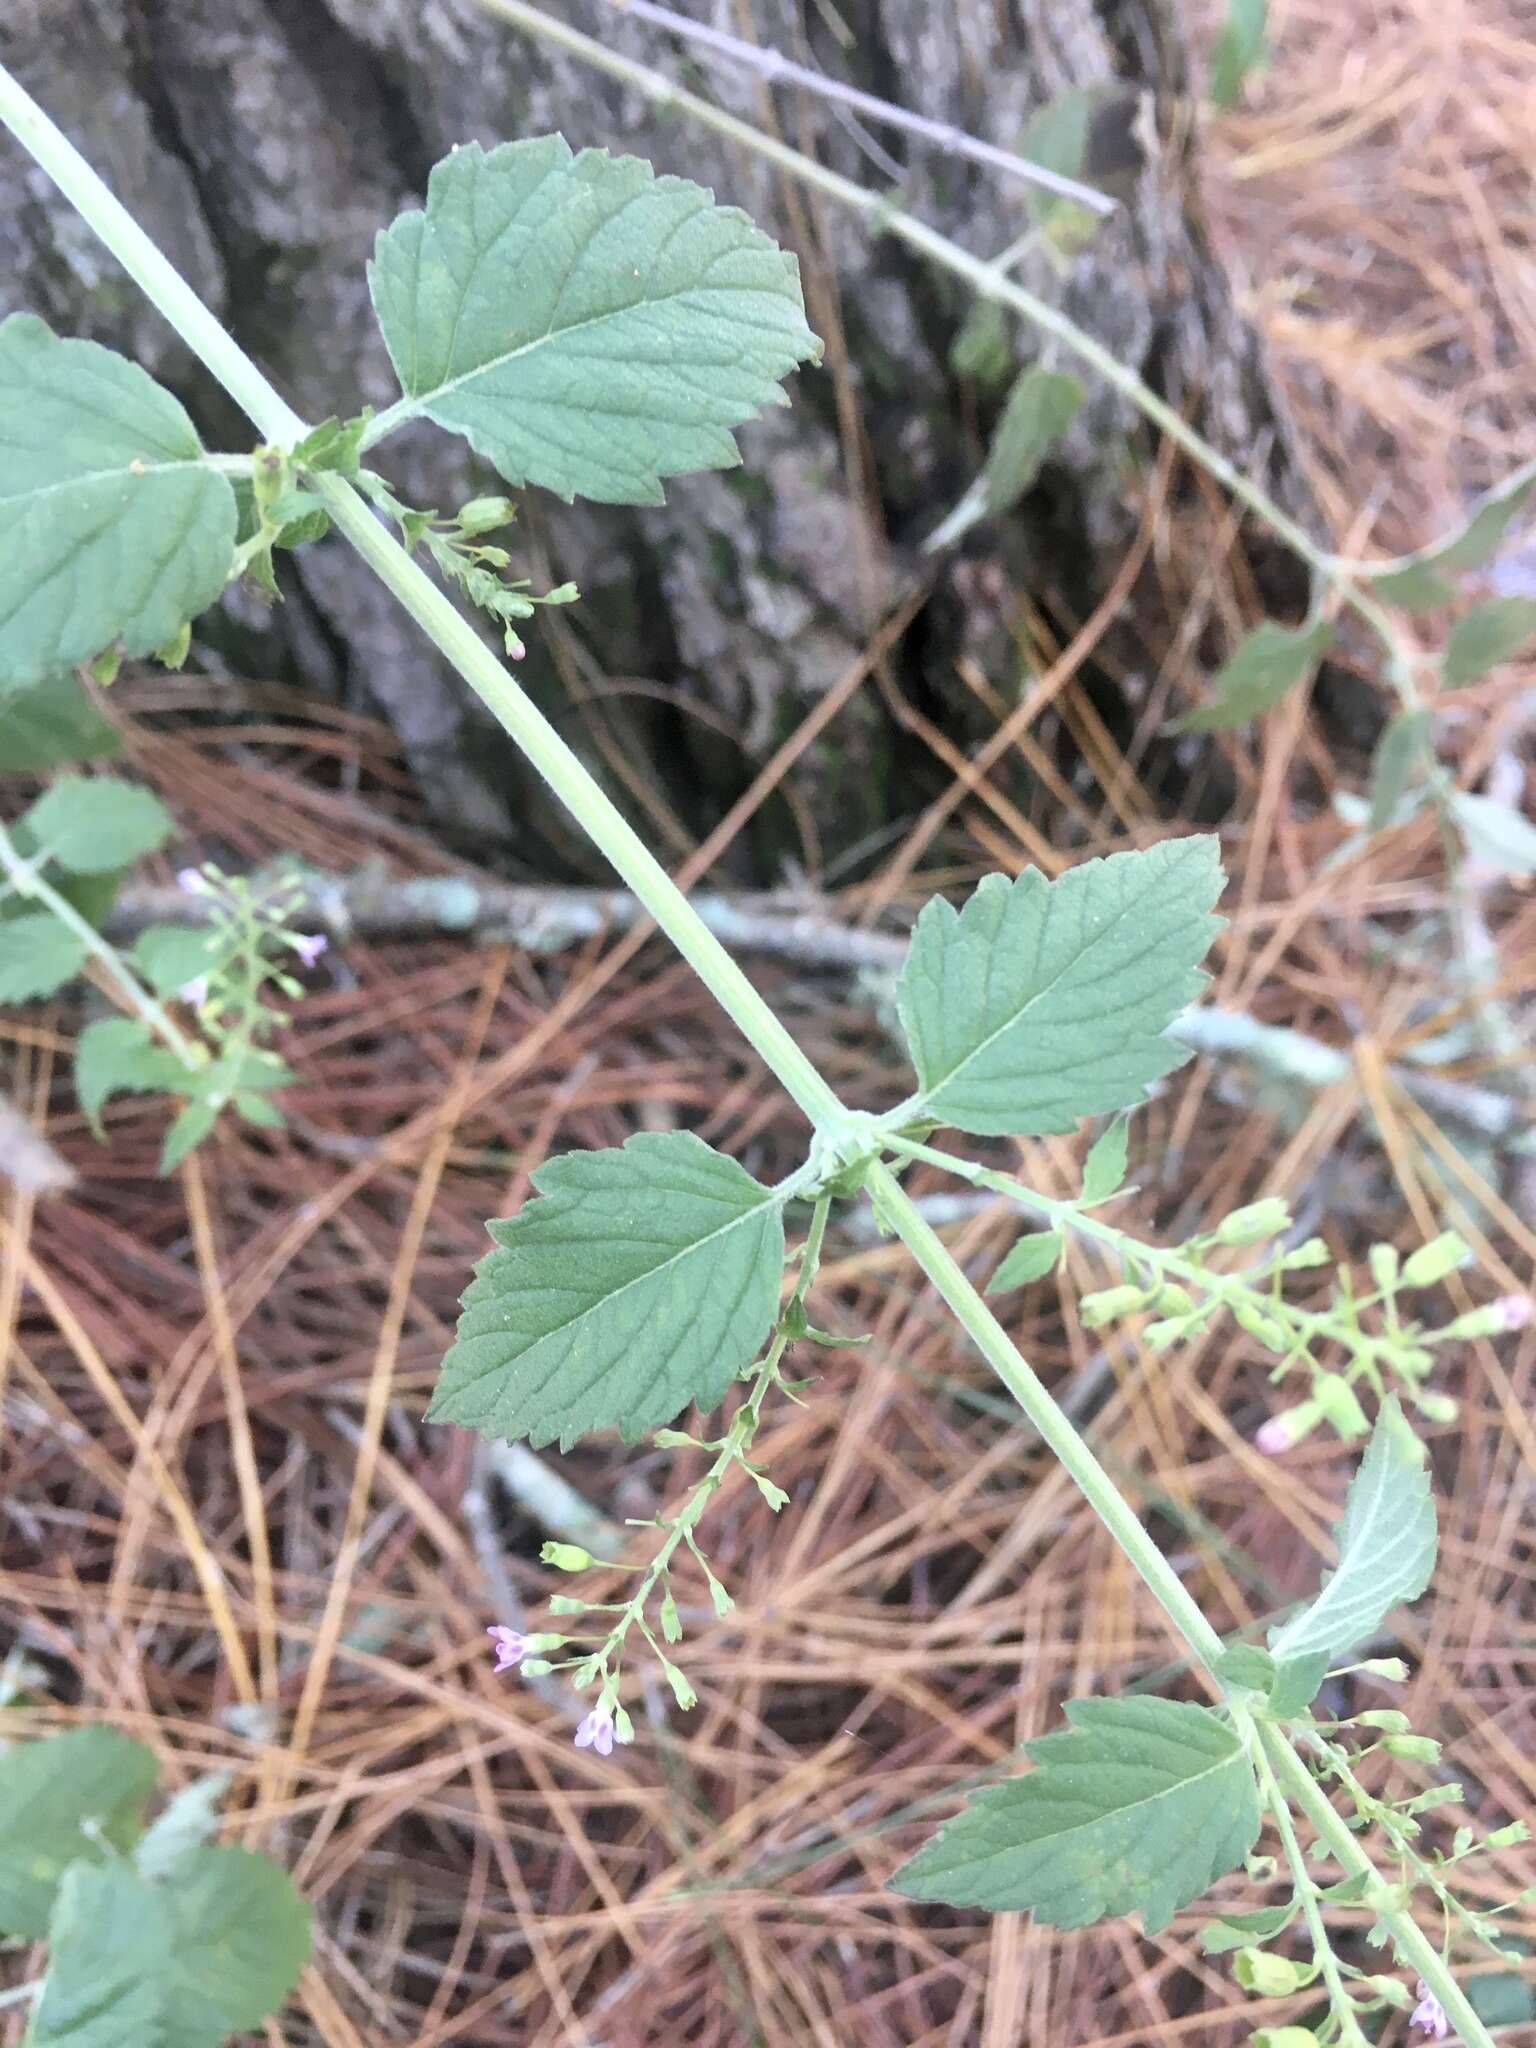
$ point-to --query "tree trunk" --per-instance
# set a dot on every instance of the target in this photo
(265, 141)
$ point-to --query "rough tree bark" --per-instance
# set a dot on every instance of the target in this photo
(265, 141)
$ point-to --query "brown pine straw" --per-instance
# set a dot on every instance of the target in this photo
(226, 1530)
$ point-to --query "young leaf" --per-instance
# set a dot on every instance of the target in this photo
(37, 956)
(94, 825)
(118, 1056)
(1060, 136)
(1044, 1002)
(641, 1280)
(1040, 408)
(1400, 751)
(1030, 1259)
(48, 1791)
(1234, 1930)
(1142, 1803)
(1104, 1168)
(586, 325)
(210, 1950)
(1387, 1544)
(1237, 50)
(1489, 634)
(52, 722)
(170, 955)
(1495, 833)
(1296, 1684)
(112, 525)
(1420, 582)
(1266, 667)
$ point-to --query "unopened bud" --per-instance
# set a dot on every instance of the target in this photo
(1283, 1432)
(1388, 1719)
(1417, 1749)
(1257, 1324)
(1251, 1225)
(567, 1557)
(1437, 1407)
(1392, 1668)
(1435, 1260)
(1094, 1310)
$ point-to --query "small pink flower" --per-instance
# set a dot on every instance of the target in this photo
(195, 991)
(1273, 1438)
(1516, 1310)
(596, 1732)
(511, 1648)
(310, 947)
(1429, 2014)
(190, 882)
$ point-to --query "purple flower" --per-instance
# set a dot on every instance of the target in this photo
(1516, 1310)
(511, 1648)
(310, 947)
(596, 1732)
(1429, 2014)
(195, 991)
(1274, 1437)
(190, 882)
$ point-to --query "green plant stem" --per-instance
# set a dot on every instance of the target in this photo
(1412, 1944)
(989, 279)
(454, 636)
(987, 1333)
(27, 882)
(1306, 1892)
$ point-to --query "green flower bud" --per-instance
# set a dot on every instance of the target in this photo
(1418, 1749)
(1340, 1405)
(1506, 1838)
(1385, 1266)
(1437, 1407)
(1314, 1252)
(1386, 1667)
(1174, 1300)
(483, 515)
(1271, 1976)
(1436, 1260)
(1094, 1310)
(567, 1557)
(1253, 1319)
(1251, 1225)
(1388, 1719)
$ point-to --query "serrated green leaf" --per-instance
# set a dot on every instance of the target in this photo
(1495, 833)
(92, 825)
(212, 1949)
(1400, 752)
(642, 1280)
(37, 956)
(1237, 50)
(586, 325)
(118, 1056)
(1421, 582)
(1030, 1259)
(1488, 634)
(170, 955)
(113, 527)
(1104, 1168)
(1042, 1002)
(50, 1791)
(1040, 408)
(1266, 667)
(48, 723)
(1140, 1805)
(188, 1820)
(1387, 1543)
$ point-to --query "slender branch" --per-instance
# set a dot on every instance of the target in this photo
(777, 69)
(987, 1333)
(1306, 1892)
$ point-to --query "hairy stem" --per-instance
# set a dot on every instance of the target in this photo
(1306, 1892)
(987, 1333)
